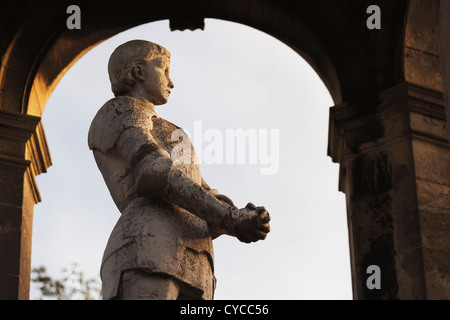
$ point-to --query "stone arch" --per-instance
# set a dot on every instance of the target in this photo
(36, 65)
(383, 113)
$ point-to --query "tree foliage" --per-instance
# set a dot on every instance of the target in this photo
(72, 285)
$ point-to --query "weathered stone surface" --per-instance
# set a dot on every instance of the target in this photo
(169, 214)
(23, 154)
(36, 49)
(442, 11)
(415, 62)
(396, 178)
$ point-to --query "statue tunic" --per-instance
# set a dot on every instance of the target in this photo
(152, 234)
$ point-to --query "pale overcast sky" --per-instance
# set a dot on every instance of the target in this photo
(227, 77)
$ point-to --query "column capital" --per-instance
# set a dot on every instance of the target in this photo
(385, 116)
(23, 144)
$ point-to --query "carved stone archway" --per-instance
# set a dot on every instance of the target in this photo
(387, 129)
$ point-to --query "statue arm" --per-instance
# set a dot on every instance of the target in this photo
(158, 176)
(217, 231)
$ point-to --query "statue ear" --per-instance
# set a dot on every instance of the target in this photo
(138, 72)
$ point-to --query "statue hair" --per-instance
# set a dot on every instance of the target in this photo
(126, 57)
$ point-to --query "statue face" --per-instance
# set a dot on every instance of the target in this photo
(156, 81)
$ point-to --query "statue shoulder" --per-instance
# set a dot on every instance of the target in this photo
(113, 117)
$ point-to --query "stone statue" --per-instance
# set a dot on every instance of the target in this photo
(161, 246)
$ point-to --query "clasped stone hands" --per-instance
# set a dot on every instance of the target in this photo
(252, 224)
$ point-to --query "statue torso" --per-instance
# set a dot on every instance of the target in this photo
(151, 233)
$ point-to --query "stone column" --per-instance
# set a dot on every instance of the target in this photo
(394, 157)
(442, 8)
(23, 155)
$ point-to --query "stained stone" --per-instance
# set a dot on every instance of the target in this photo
(162, 243)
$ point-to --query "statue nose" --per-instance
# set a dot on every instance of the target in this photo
(171, 85)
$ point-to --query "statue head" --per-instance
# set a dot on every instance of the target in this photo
(141, 68)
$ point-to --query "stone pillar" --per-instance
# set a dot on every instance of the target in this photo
(23, 155)
(442, 8)
(394, 157)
